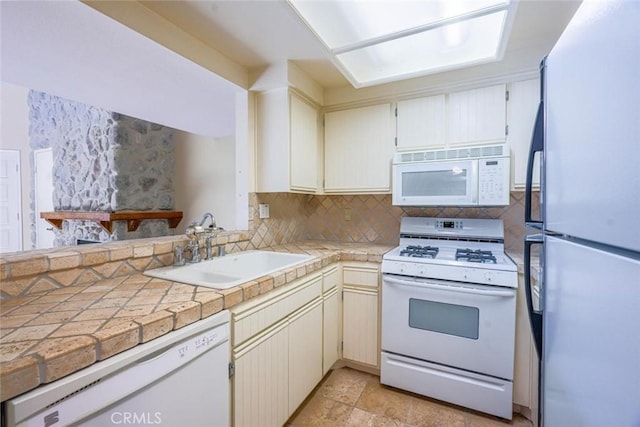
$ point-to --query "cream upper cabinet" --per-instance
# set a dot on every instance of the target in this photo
(304, 144)
(288, 143)
(358, 147)
(421, 123)
(524, 97)
(477, 115)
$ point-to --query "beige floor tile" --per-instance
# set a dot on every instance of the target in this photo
(360, 418)
(351, 398)
(427, 413)
(382, 400)
(344, 385)
(320, 411)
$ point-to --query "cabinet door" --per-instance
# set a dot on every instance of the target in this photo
(261, 380)
(331, 332)
(478, 115)
(305, 353)
(360, 325)
(303, 145)
(421, 123)
(523, 356)
(272, 133)
(358, 150)
(521, 114)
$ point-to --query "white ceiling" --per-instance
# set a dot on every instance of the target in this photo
(70, 50)
(258, 33)
(73, 51)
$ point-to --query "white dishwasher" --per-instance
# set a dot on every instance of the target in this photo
(179, 379)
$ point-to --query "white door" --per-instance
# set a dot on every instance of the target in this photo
(591, 374)
(10, 202)
(43, 165)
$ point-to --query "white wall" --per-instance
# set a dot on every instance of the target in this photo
(205, 178)
(14, 135)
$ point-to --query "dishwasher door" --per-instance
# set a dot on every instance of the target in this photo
(180, 379)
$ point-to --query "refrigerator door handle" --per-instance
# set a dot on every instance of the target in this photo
(537, 146)
(535, 317)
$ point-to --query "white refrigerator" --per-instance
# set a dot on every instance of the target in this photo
(587, 134)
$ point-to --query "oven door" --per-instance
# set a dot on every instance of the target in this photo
(436, 183)
(467, 326)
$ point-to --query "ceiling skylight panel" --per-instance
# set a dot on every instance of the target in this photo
(447, 47)
(380, 38)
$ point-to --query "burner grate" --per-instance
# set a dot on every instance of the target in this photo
(417, 251)
(478, 255)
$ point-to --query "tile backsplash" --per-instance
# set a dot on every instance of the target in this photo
(363, 218)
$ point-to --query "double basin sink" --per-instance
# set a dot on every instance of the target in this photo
(230, 270)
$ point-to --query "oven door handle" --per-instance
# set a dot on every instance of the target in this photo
(459, 289)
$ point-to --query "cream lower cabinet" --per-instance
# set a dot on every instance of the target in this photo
(525, 375)
(261, 379)
(331, 317)
(360, 324)
(305, 352)
(277, 352)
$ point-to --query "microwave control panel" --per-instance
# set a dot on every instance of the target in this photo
(493, 181)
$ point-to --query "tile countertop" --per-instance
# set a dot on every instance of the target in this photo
(50, 334)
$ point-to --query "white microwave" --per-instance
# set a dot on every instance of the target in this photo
(467, 176)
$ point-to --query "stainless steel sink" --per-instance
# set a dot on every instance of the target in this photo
(231, 270)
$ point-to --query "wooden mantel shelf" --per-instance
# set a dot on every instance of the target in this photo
(105, 219)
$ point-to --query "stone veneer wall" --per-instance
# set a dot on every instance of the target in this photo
(373, 218)
(103, 161)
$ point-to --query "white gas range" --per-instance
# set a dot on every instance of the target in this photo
(448, 313)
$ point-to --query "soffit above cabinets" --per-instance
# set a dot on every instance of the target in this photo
(384, 41)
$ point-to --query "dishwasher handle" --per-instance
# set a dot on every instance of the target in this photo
(450, 288)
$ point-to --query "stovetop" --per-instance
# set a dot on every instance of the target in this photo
(447, 249)
(467, 255)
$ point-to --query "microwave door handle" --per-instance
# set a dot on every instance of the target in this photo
(458, 289)
(535, 317)
(537, 146)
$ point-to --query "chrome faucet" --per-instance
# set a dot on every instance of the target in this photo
(195, 230)
(204, 219)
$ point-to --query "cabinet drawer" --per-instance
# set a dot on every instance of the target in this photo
(360, 275)
(330, 278)
(257, 316)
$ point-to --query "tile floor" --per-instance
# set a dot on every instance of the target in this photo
(347, 397)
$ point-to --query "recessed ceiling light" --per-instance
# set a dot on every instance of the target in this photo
(375, 42)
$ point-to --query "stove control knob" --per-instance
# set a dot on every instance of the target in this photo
(421, 271)
(466, 274)
(488, 276)
(403, 268)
